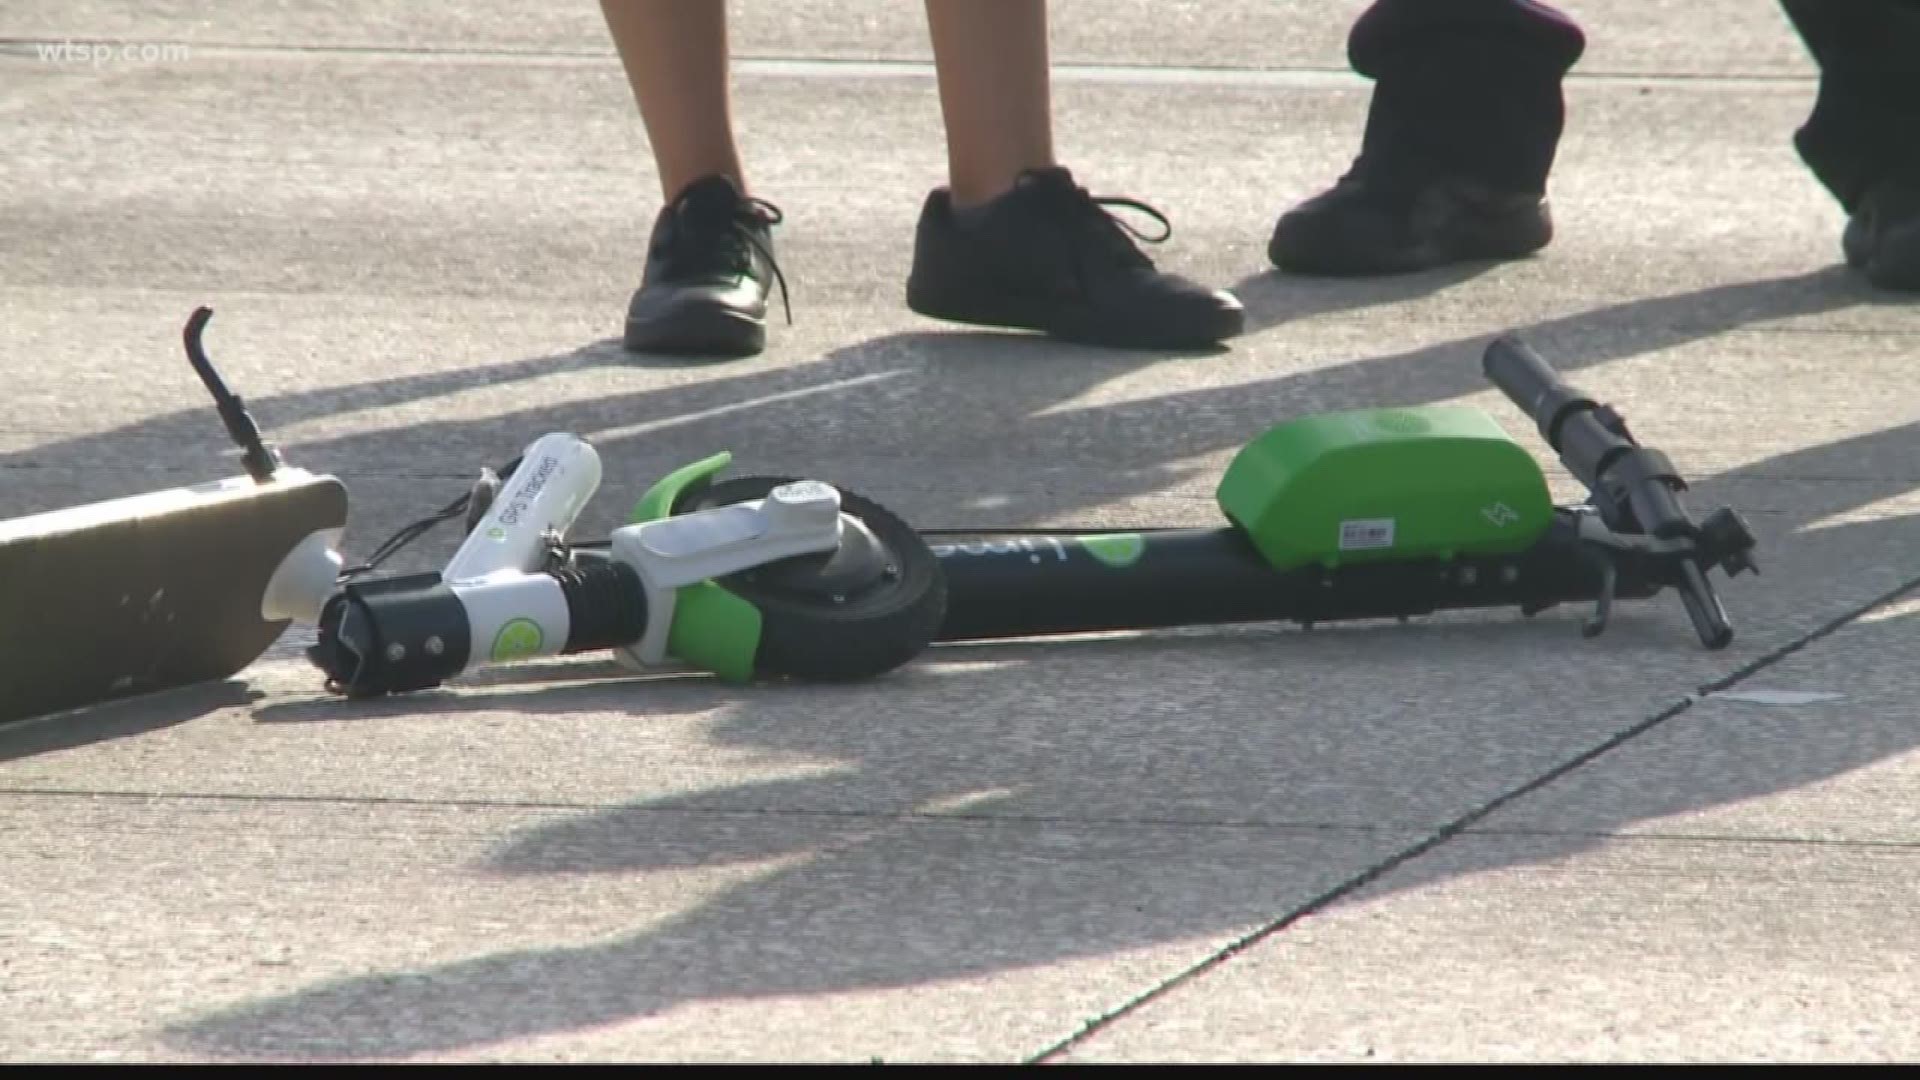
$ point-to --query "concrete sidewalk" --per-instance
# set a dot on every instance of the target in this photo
(1469, 838)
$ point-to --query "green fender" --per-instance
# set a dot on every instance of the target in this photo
(712, 628)
(659, 499)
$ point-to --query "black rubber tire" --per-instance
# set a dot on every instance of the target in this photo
(869, 634)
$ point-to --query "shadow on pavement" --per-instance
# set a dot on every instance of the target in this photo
(120, 719)
(961, 898)
(993, 410)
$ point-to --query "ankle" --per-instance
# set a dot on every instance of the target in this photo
(974, 190)
(672, 187)
(970, 215)
(975, 201)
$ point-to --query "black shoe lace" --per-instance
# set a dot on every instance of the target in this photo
(738, 234)
(759, 211)
(1110, 231)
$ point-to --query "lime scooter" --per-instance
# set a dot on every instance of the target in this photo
(1367, 514)
(1359, 515)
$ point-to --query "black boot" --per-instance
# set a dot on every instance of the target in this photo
(1462, 128)
(1862, 138)
(1364, 225)
(1882, 238)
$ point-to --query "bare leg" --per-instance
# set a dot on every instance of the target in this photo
(994, 92)
(675, 55)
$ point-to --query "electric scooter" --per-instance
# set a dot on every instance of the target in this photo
(1365, 514)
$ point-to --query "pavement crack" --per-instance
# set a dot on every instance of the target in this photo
(1083, 820)
(1699, 838)
(1463, 824)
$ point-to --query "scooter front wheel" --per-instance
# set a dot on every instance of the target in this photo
(867, 607)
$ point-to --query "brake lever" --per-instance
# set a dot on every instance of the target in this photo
(1726, 545)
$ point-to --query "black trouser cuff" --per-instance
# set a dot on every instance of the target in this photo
(1466, 88)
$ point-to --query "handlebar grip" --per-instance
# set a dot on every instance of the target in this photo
(1636, 487)
(1513, 366)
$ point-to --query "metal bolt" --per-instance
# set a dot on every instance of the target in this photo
(1509, 574)
(396, 651)
(1468, 575)
(435, 646)
(891, 571)
(838, 599)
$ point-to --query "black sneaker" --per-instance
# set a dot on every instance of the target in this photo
(1363, 227)
(1048, 256)
(704, 291)
(1882, 237)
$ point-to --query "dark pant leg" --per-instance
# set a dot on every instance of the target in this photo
(1467, 87)
(1865, 123)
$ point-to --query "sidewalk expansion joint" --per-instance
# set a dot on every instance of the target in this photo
(1462, 824)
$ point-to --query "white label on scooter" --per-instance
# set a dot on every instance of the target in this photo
(1366, 534)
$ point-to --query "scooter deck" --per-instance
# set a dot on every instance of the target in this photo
(149, 592)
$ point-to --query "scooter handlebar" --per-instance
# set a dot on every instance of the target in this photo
(1539, 391)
